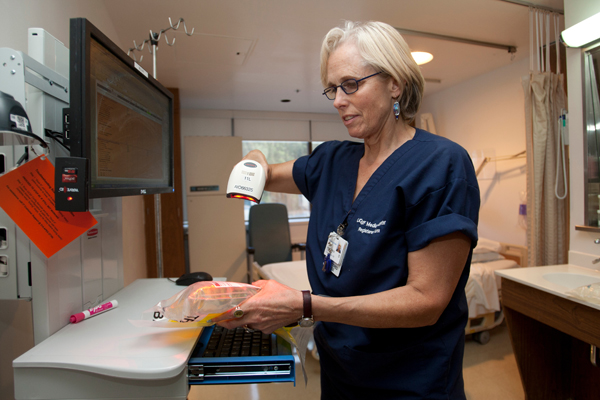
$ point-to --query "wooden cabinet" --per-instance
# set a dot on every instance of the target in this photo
(551, 338)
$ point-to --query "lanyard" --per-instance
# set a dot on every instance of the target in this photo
(341, 229)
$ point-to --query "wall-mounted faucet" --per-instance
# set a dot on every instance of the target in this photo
(597, 260)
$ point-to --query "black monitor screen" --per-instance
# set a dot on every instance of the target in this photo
(122, 119)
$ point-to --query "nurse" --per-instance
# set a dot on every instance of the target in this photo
(392, 228)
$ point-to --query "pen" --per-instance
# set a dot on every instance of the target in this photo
(94, 311)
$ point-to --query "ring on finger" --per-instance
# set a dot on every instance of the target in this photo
(238, 312)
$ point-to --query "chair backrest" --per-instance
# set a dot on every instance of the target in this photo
(269, 233)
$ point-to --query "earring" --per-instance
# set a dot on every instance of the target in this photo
(396, 109)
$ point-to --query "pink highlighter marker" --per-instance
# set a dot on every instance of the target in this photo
(94, 311)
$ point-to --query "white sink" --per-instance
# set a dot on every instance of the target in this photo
(557, 280)
(570, 280)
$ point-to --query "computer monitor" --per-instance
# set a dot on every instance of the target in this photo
(120, 119)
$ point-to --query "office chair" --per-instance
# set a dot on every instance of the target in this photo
(270, 247)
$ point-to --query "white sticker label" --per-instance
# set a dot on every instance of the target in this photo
(336, 249)
(139, 68)
(22, 122)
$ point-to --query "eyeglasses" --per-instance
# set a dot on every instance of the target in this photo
(348, 86)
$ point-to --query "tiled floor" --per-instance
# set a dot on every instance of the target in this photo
(490, 370)
(490, 373)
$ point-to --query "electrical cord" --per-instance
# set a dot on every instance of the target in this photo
(32, 136)
(57, 136)
(560, 150)
(24, 158)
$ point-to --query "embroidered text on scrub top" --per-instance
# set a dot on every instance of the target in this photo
(374, 227)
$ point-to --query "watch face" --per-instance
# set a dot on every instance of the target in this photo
(306, 322)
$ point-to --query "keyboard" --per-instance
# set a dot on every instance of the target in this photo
(227, 356)
(238, 342)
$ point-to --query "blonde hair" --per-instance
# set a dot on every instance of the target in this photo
(384, 49)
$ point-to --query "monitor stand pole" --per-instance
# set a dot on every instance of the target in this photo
(153, 40)
(158, 229)
(157, 201)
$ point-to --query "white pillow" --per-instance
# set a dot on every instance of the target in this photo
(487, 245)
(485, 257)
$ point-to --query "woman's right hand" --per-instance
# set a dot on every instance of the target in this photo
(259, 157)
(278, 177)
(276, 305)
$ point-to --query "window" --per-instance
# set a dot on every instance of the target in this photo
(278, 152)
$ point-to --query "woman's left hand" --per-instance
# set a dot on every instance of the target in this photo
(276, 305)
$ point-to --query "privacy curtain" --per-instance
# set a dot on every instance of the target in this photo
(545, 102)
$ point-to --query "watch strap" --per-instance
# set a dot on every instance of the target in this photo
(307, 300)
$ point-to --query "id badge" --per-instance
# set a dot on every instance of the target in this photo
(335, 251)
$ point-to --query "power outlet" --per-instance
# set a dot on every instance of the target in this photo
(3, 238)
(3, 266)
(67, 127)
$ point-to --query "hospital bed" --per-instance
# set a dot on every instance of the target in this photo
(482, 289)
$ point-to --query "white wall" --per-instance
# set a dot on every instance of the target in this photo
(582, 249)
(19, 15)
(487, 114)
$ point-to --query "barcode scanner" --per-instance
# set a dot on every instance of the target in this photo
(247, 181)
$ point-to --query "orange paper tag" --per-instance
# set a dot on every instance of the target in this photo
(27, 196)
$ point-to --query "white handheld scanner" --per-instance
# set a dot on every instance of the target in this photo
(247, 181)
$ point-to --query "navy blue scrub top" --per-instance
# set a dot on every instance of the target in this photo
(425, 190)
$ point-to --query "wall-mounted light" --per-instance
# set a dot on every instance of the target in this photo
(583, 33)
(422, 57)
(14, 120)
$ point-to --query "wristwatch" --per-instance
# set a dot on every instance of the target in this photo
(307, 318)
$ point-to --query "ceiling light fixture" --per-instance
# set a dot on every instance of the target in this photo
(583, 33)
(421, 57)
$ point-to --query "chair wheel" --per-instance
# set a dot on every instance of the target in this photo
(482, 337)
